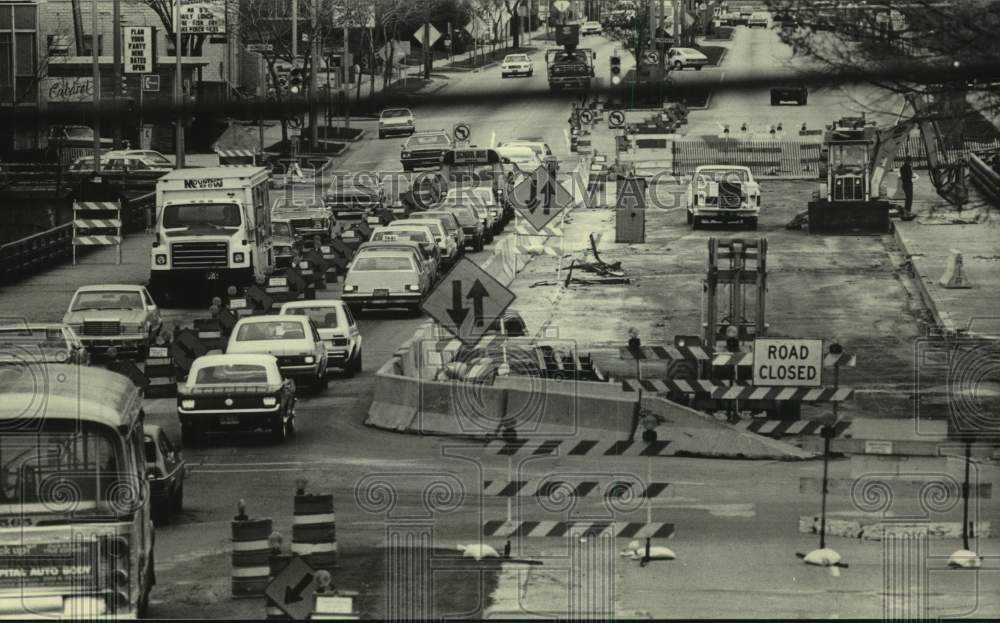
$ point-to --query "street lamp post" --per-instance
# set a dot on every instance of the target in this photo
(178, 84)
(97, 88)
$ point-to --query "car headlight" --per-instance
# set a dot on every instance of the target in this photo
(348, 288)
(412, 288)
(318, 224)
(187, 404)
(270, 401)
(238, 258)
(309, 359)
(135, 329)
(161, 260)
(404, 154)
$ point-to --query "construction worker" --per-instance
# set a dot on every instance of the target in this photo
(906, 181)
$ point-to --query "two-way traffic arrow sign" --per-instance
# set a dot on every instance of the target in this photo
(294, 589)
(467, 301)
(540, 198)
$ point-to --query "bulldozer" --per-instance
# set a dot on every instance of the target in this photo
(854, 158)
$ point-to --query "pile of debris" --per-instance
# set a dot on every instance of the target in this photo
(606, 273)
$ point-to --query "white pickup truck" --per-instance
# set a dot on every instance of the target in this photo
(725, 193)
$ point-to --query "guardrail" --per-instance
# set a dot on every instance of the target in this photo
(985, 178)
(46, 249)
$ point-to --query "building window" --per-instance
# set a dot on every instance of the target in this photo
(89, 51)
(19, 70)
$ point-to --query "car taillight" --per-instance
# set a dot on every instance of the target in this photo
(412, 288)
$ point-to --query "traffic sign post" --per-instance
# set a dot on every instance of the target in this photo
(467, 301)
(540, 198)
(787, 363)
(652, 58)
(461, 132)
(294, 589)
(616, 119)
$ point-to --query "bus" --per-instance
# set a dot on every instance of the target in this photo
(475, 166)
(76, 532)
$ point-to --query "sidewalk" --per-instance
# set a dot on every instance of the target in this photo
(928, 241)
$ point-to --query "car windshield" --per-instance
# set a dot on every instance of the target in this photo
(202, 215)
(287, 204)
(430, 139)
(395, 113)
(576, 55)
(324, 317)
(434, 226)
(273, 330)
(383, 262)
(400, 234)
(115, 299)
(80, 133)
(84, 459)
(722, 175)
(155, 158)
(231, 373)
(516, 58)
(466, 216)
(447, 221)
(281, 228)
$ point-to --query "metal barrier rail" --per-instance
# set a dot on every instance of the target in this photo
(985, 178)
(46, 249)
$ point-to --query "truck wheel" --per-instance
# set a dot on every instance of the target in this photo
(678, 65)
(803, 99)
(695, 222)
(161, 514)
(752, 223)
(688, 217)
(178, 501)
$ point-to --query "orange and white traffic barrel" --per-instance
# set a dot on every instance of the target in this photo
(314, 530)
(251, 571)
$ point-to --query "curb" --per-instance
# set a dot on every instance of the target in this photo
(943, 323)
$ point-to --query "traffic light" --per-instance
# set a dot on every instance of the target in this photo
(295, 80)
(124, 86)
(616, 69)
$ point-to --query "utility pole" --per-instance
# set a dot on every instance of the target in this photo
(116, 74)
(97, 88)
(346, 61)
(295, 31)
(178, 84)
(313, 82)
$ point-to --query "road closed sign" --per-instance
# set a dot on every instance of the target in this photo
(787, 363)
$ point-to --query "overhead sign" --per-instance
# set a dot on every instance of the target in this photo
(616, 119)
(204, 17)
(461, 132)
(259, 47)
(138, 49)
(68, 89)
(539, 198)
(151, 83)
(787, 363)
(434, 33)
(467, 301)
(294, 589)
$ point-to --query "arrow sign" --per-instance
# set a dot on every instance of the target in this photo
(449, 303)
(540, 190)
(461, 132)
(616, 118)
(294, 589)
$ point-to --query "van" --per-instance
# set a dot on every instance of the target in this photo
(76, 531)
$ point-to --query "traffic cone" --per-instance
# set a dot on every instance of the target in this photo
(250, 555)
(954, 277)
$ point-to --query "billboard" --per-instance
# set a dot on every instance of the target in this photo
(207, 17)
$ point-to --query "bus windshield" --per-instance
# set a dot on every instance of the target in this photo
(202, 215)
(70, 468)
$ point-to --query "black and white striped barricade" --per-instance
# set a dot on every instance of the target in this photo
(209, 331)
(160, 372)
(237, 156)
(97, 223)
(335, 606)
(251, 570)
(314, 530)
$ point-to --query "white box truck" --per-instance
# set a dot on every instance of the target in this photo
(213, 230)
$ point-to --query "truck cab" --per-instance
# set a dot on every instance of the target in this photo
(569, 66)
(213, 230)
(723, 193)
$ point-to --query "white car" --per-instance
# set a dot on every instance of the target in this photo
(537, 145)
(522, 156)
(591, 28)
(759, 19)
(337, 327)
(681, 58)
(395, 121)
(126, 160)
(480, 199)
(123, 316)
(516, 65)
(385, 278)
(293, 340)
(447, 247)
(723, 193)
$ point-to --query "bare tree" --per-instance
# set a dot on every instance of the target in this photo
(919, 47)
